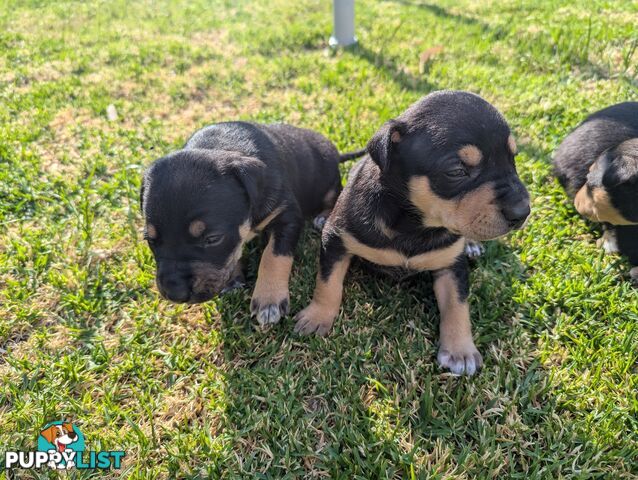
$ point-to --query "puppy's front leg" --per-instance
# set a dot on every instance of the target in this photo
(319, 316)
(457, 351)
(271, 299)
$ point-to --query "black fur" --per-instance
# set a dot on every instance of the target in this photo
(602, 152)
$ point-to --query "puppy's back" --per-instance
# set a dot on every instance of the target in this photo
(599, 132)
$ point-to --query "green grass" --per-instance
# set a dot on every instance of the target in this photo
(195, 392)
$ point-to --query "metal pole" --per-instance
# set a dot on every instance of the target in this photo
(343, 34)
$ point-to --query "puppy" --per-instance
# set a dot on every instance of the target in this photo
(597, 164)
(230, 182)
(440, 173)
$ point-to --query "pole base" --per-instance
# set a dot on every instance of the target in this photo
(335, 43)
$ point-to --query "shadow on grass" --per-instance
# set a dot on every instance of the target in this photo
(369, 400)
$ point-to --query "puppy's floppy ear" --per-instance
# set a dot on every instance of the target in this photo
(251, 173)
(383, 144)
(49, 433)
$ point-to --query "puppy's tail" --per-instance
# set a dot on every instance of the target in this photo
(344, 157)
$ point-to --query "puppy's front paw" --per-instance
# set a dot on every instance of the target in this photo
(474, 249)
(314, 319)
(269, 308)
(461, 360)
(608, 242)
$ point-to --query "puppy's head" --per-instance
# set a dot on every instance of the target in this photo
(196, 206)
(454, 154)
(611, 192)
(60, 435)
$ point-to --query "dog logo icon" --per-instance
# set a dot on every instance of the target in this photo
(61, 437)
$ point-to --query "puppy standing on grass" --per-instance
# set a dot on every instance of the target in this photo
(440, 173)
(230, 182)
(597, 164)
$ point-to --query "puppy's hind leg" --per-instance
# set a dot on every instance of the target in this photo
(271, 299)
(457, 351)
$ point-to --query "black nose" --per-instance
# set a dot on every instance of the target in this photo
(516, 213)
(72, 435)
(175, 289)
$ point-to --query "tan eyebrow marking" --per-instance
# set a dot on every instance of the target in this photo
(470, 155)
(511, 143)
(196, 228)
(151, 231)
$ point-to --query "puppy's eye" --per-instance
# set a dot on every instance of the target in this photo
(213, 240)
(456, 173)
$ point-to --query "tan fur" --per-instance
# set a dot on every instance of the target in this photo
(384, 229)
(475, 215)
(196, 228)
(455, 328)
(511, 144)
(151, 231)
(470, 155)
(395, 137)
(273, 276)
(324, 308)
(264, 223)
(596, 205)
(433, 260)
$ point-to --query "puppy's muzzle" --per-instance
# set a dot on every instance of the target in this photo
(192, 282)
(516, 213)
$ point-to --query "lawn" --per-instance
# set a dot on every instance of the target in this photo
(200, 391)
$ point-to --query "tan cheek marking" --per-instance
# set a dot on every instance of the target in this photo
(273, 275)
(596, 205)
(433, 260)
(604, 209)
(470, 155)
(395, 137)
(455, 327)
(196, 228)
(584, 203)
(151, 231)
(511, 144)
(455, 215)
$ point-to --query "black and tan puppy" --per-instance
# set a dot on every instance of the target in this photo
(230, 182)
(440, 173)
(597, 164)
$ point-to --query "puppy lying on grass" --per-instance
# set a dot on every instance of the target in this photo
(441, 172)
(597, 164)
(231, 182)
